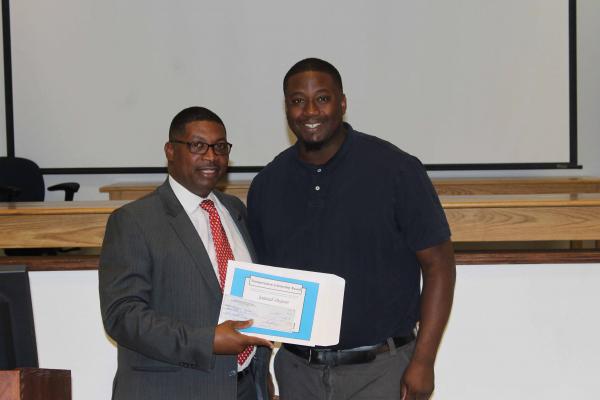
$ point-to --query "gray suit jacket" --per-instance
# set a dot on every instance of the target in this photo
(160, 302)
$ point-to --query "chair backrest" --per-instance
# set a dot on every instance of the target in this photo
(23, 174)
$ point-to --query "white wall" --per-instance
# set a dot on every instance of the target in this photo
(522, 332)
(516, 331)
(69, 331)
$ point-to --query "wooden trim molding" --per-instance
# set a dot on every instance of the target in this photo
(444, 186)
(527, 257)
(54, 263)
(91, 262)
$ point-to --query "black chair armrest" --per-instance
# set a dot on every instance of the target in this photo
(9, 193)
(69, 187)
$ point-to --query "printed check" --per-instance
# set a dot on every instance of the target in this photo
(264, 315)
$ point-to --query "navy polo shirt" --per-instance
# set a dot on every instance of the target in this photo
(361, 216)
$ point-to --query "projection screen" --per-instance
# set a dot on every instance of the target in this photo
(96, 83)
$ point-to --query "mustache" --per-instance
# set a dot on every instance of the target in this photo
(207, 164)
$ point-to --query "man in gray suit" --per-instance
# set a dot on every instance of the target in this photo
(161, 272)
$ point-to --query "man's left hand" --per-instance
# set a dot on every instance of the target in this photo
(417, 381)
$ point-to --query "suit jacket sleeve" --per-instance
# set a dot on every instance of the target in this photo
(128, 297)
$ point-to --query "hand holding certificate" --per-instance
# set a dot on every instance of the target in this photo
(286, 305)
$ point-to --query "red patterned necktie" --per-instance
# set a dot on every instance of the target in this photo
(224, 254)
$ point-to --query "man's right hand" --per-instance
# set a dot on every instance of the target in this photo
(229, 341)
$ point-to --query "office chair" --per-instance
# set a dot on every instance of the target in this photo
(22, 180)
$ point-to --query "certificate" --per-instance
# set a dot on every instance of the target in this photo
(286, 305)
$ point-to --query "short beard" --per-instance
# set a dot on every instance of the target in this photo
(313, 146)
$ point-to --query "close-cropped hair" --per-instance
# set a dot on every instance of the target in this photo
(188, 115)
(314, 64)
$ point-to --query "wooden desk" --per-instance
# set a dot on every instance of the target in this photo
(128, 190)
(135, 190)
(507, 218)
(449, 186)
(54, 224)
(494, 218)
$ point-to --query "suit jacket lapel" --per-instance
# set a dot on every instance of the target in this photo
(183, 227)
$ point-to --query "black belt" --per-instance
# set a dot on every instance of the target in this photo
(344, 357)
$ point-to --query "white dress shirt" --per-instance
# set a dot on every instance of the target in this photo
(199, 217)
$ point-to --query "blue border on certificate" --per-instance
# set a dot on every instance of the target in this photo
(308, 310)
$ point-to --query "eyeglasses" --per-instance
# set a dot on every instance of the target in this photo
(220, 148)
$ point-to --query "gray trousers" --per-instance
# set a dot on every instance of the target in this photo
(379, 379)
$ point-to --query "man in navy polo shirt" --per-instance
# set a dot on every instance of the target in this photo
(344, 202)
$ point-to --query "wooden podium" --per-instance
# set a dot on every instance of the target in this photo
(35, 384)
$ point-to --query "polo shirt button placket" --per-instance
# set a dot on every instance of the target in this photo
(318, 187)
